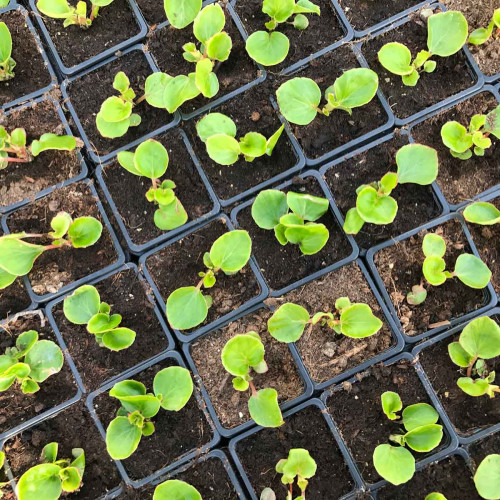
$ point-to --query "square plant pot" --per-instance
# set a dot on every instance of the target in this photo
(480, 449)
(57, 272)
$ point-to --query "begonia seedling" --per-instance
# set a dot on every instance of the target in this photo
(62, 9)
(482, 35)
(482, 213)
(487, 477)
(7, 64)
(173, 489)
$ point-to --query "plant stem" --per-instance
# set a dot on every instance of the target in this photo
(138, 101)
(252, 388)
(471, 365)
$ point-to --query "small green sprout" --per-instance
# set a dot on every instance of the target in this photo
(299, 98)
(7, 64)
(487, 478)
(289, 321)
(62, 9)
(181, 13)
(479, 341)
(173, 489)
(187, 307)
(292, 217)
(218, 132)
(18, 256)
(435, 496)
(172, 387)
(29, 363)
(54, 477)
(460, 140)
(2, 461)
(483, 213)
(421, 433)
(482, 35)
(447, 33)
(417, 164)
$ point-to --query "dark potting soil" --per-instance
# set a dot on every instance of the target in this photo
(357, 411)
(284, 265)
(115, 23)
(72, 428)
(126, 295)
(176, 433)
(136, 212)
(251, 111)
(178, 265)
(88, 92)
(452, 74)
(24, 180)
(417, 204)
(400, 267)
(153, 12)
(323, 30)
(59, 267)
(461, 180)
(16, 407)
(486, 446)
(232, 406)
(260, 452)
(31, 73)
(326, 354)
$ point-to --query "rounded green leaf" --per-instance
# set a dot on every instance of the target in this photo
(253, 145)
(181, 13)
(264, 408)
(112, 130)
(71, 479)
(472, 271)
(6, 279)
(487, 477)
(242, 352)
(353, 222)
(178, 90)
(355, 87)
(417, 164)
(299, 464)
(114, 109)
(309, 207)
(391, 404)
(311, 237)
(53, 142)
(40, 478)
(214, 124)
(102, 322)
(394, 463)
(17, 256)
(396, 58)
(170, 216)
(483, 213)
(375, 208)
(433, 245)
(435, 496)
(459, 355)
(57, 9)
(82, 305)
(223, 149)
(118, 339)
(418, 415)
(175, 385)
(84, 232)
(60, 224)
(231, 251)
(45, 359)
(481, 338)
(151, 159)
(456, 137)
(433, 270)
(154, 89)
(174, 489)
(268, 208)
(424, 438)
(186, 308)
(475, 388)
(447, 33)
(280, 10)
(358, 321)
(298, 100)
(209, 22)
(122, 438)
(219, 47)
(25, 342)
(205, 79)
(287, 324)
(266, 48)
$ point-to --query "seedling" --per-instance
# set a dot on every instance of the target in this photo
(172, 389)
(29, 363)
(478, 342)
(151, 160)
(483, 213)
(241, 355)
(435, 496)
(292, 217)
(218, 132)
(173, 489)
(18, 256)
(2, 461)
(61, 9)
(487, 477)
(54, 477)
(417, 164)
(421, 433)
(84, 307)
(461, 141)
(181, 13)
(446, 34)
(7, 64)
(272, 48)
(357, 321)
(299, 98)
(482, 35)
(187, 307)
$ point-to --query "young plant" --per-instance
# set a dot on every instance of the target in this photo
(435, 496)
(62, 9)
(478, 342)
(187, 307)
(446, 34)
(487, 477)
(482, 35)
(181, 13)
(421, 433)
(29, 363)
(483, 213)
(173, 489)
(18, 256)
(84, 307)
(461, 140)
(218, 132)
(292, 217)
(54, 477)
(299, 98)
(172, 389)
(241, 355)
(7, 64)
(289, 321)
(417, 164)
(151, 160)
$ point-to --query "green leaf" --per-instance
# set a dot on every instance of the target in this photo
(475, 388)
(417, 164)
(132, 395)
(122, 438)
(268, 208)
(487, 477)
(181, 13)
(266, 48)
(5, 43)
(17, 256)
(53, 142)
(353, 222)
(394, 463)
(280, 10)
(219, 47)
(178, 90)
(456, 137)
(118, 339)
(170, 216)
(45, 358)
(411, 79)
(459, 355)
(481, 338)
(25, 342)
(253, 145)
(101, 323)
(115, 109)
(309, 207)
(492, 124)
(40, 478)
(372, 207)
(396, 58)
(175, 385)
(483, 213)
(472, 271)
(209, 22)
(174, 489)
(186, 308)
(311, 238)
(111, 130)
(433, 270)
(418, 415)
(231, 251)
(214, 124)
(57, 9)
(391, 404)
(273, 140)
(447, 33)
(358, 321)
(154, 89)
(126, 160)
(299, 464)
(307, 7)
(6, 279)
(424, 438)
(298, 100)
(433, 245)
(205, 79)
(70, 478)
(264, 408)
(287, 324)
(84, 232)
(82, 305)
(151, 159)
(241, 353)
(60, 224)
(223, 149)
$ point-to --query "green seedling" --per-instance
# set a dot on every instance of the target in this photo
(218, 132)
(84, 307)
(187, 307)
(54, 477)
(272, 48)
(416, 164)
(462, 141)
(7, 64)
(435, 496)
(181, 13)
(292, 217)
(357, 321)
(241, 355)
(482, 35)
(173, 489)
(61, 9)
(446, 34)
(478, 342)
(482, 213)
(421, 433)
(299, 98)
(18, 256)
(2, 484)
(487, 478)
(151, 160)
(172, 387)
(29, 363)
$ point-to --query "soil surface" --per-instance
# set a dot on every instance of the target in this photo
(461, 180)
(450, 77)
(260, 452)
(57, 268)
(481, 449)
(16, 407)
(24, 180)
(136, 212)
(400, 267)
(417, 204)
(153, 12)
(72, 428)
